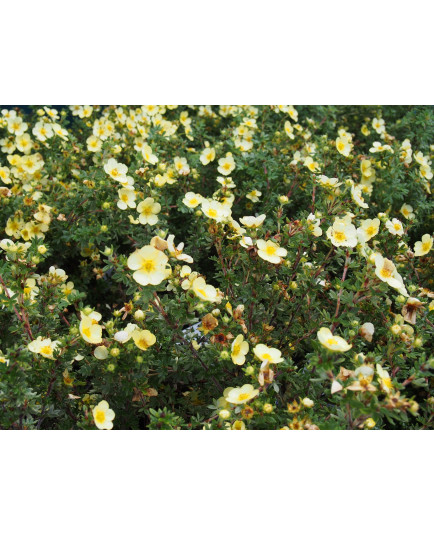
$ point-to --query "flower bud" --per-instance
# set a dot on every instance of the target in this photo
(114, 352)
(139, 315)
(224, 414)
(370, 423)
(42, 249)
(395, 329)
(268, 408)
(307, 402)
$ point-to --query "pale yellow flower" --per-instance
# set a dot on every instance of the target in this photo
(148, 210)
(424, 246)
(239, 349)
(143, 339)
(332, 342)
(149, 265)
(103, 416)
(270, 251)
(241, 395)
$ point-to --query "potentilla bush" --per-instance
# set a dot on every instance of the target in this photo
(216, 267)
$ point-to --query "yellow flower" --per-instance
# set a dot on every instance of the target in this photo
(127, 198)
(103, 416)
(148, 210)
(332, 342)
(342, 233)
(252, 221)
(386, 271)
(44, 347)
(143, 339)
(238, 425)
(311, 164)
(115, 170)
(192, 200)
(241, 395)
(395, 227)
(423, 247)
(90, 330)
(368, 229)
(226, 165)
(289, 130)
(384, 379)
(267, 354)
(215, 210)
(148, 156)
(407, 211)
(149, 265)
(270, 251)
(343, 146)
(203, 291)
(254, 195)
(240, 348)
(181, 166)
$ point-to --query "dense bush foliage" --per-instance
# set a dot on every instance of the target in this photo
(216, 267)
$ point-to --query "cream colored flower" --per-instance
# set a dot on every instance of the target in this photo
(127, 198)
(207, 155)
(215, 210)
(103, 416)
(241, 395)
(149, 265)
(115, 169)
(44, 347)
(384, 379)
(332, 342)
(267, 354)
(252, 221)
(270, 251)
(90, 330)
(387, 272)
(239, 349)
(192, 200)
(254, 196)
(148, 210)
(327, 182)
(342, 234)
(424, 246)
(181, 165)
(226, 165)
(203, 291)
(148, 155)
(407, 212)
(368, 229)
(395, 227)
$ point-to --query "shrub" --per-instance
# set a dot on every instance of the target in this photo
(216, 267)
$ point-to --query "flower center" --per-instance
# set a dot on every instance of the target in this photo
(243, 396)
(385, 272)
(100, 416)
(340, 236)
(148, 265)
